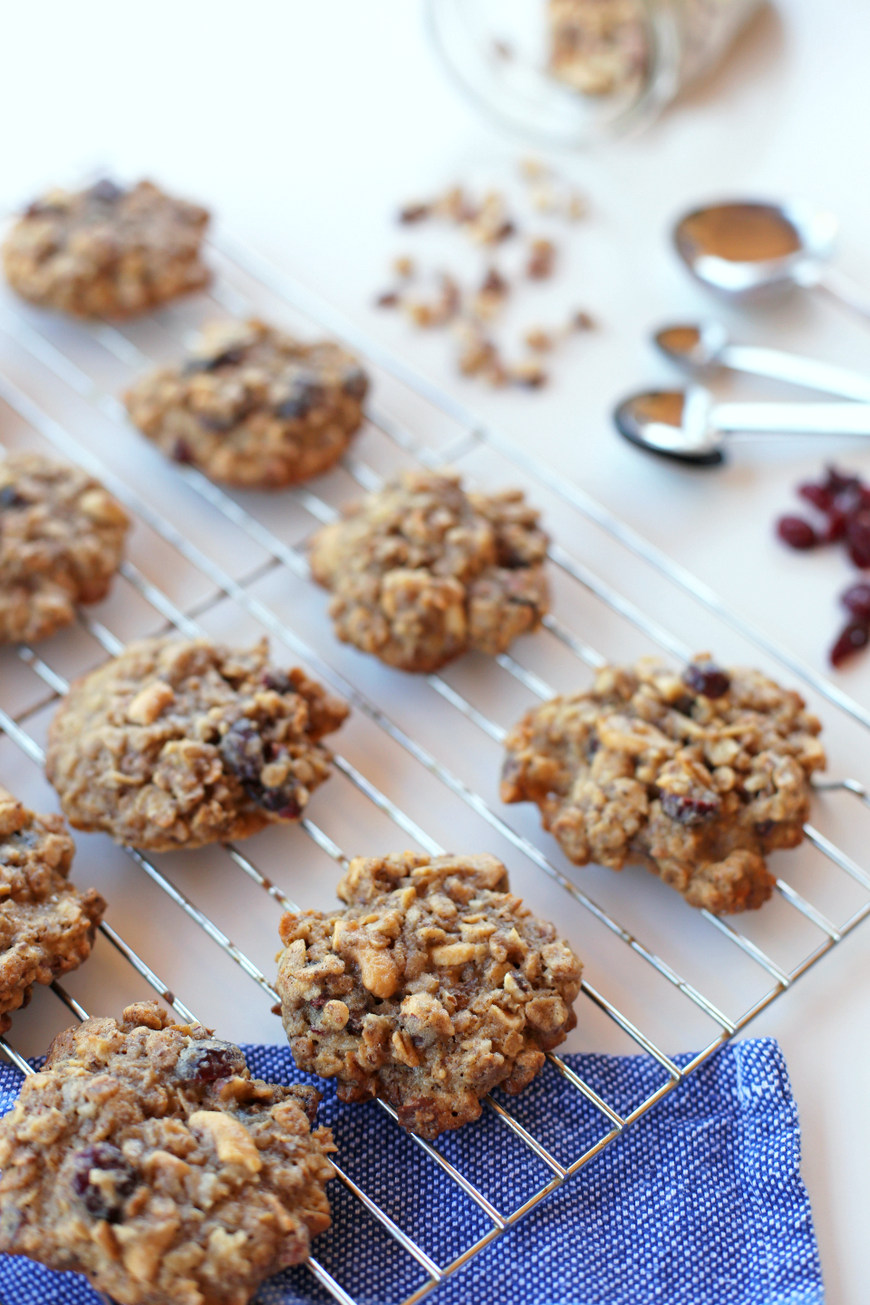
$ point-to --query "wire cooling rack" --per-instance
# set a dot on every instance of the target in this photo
(417, 764)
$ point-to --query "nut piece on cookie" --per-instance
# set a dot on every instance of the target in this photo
(47, 925)
(433, 986)
(145, 1156)
(253, 406)
(422, 571)
(179, 743)
(61, 541)
(697, 776)
(107, 251)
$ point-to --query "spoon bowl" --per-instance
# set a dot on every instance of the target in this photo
(694, 347)
(672, 423)
(743, 248)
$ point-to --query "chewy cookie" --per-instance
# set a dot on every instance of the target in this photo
(599, 47)
(423, 571)
(46, 925)
(698, 777)
(178, 743)
(145, 1156)
(61, 540)
(106, 251)
(433, 986)
(252, 406)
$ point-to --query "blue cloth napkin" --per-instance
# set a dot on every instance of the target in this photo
(700, 1203)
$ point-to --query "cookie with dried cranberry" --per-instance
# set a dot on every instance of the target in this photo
(432, 986)
(46, 925)
(253, 406)
(107, 251)
(61, 542)
(423, 571)
(696, 776)
(145, 1156)
(179, 743)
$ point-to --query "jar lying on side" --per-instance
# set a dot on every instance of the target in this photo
(571, 72)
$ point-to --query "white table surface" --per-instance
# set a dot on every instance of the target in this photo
(305, 126)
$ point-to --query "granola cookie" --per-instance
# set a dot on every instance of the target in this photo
(252, 406)
(106, 251)
(61, 541)
(422, 571)
(433, 986)
(698, 777)
(46, 925)
(145, 1156)
(179, 743)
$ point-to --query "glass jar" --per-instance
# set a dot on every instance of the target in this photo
(571, 72)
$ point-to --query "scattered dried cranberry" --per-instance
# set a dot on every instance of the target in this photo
(858, 537)
(853, 637)
(796, 532)
(182, 452)
(706, 678)
(688, 810)
(208, 1060)
(857, 600)
(98, 1199)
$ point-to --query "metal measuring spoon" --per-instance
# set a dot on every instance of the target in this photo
(699, 348)
(689, 426)
(744, 247)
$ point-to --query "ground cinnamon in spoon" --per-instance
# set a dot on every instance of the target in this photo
(740, 233)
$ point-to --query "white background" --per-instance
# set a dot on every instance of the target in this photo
(305, 125)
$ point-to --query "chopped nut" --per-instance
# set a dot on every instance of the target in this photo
(389, 299)
(577, 207)
(543, 199)
(532, 168)
(539, 340)
(404, 1049)
(378, 971)
(542, 258)
(403, 266)
(230, 1138)
(414, 213)
(149, 703)
(529, 374)
(581, 321)
(458, 953)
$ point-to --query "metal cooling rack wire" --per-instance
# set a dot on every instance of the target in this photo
(289, 557)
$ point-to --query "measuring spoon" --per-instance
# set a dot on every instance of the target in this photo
(689, 426)
(701, 347)
(747, 246)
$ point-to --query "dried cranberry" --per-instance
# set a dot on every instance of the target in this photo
(853, 637)
(10, 498)
(355, 383)
(819, 495)
(105, 191)
(858, 537)
(688, 810)
(838, 482)
(208, 1060)
(230, 357)
(244, 752)
(707, 678)
(99, 1199)
(796, 532)
(182, 452)
(857, 600)
(305, 395)
(277, 681)
(835, 528)
(764, 827)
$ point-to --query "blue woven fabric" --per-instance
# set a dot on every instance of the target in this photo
(700, 1203)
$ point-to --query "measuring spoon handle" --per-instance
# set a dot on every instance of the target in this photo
(793, 418)
(778, 365)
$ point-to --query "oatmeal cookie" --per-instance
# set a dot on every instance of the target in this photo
(145, 1156)
(423, 571)
(698, 777)
(252, 406)
(46, 925)
(433, 986)
(61, 540)
(178, 743)
(106, 251)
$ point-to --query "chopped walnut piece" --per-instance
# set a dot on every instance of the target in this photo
(542, 259)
